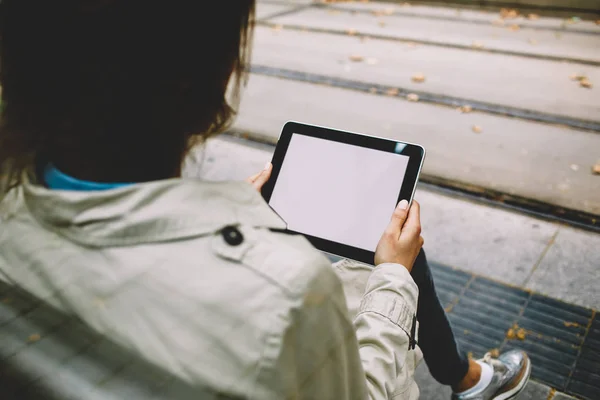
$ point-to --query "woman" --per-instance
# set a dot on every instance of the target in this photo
(102, 100)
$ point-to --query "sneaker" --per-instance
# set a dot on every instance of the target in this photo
(511, 374)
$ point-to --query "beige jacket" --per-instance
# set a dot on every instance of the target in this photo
(267, 318)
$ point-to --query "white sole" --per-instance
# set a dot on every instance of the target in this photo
(517, 389)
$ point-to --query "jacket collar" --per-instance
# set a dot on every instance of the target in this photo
(148, 212)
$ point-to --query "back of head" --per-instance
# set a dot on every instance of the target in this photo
(117, 90)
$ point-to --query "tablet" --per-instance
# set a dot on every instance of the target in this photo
(339, 189)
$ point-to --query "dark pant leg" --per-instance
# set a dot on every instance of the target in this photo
(447, 364)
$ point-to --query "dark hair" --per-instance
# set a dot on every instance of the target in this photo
(117, 86)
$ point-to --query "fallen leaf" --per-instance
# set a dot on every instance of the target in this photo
(334, 12)
(509, 13)
(577, 77)
(392, 92)
(418, 78)
(405, 4)
(465, 109)
(575, 167)
(477, 129)
(351, 32)
(495, 353)
(356, 58)
(510, 334)
(33, 338)
(533, 17)
(596, 169)
(571, 324)
(514, 27)
(449, 308)
(498, 22)
(477, 45)
(533, 41)
(372, 61)
(470, 355)
(277, 27)
(521, 334)
(586, 83)
(412, 97)
(411, 44)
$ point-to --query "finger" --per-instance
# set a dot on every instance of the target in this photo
(253, 177)
(398, 217)
(412, 225)
(263, 177)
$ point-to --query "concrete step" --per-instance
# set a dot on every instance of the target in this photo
(515, 156)
(526, 41)
(531, 84)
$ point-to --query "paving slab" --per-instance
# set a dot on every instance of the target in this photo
(527, 41)
(519, 157)
(570, 269)
(468, 15)
(531, 84)
(483, 240)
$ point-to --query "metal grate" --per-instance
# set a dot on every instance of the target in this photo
(561, 339)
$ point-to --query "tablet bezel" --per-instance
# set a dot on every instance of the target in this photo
(415, 153)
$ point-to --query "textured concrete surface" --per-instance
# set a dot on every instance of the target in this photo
(538, 85)
(519, 157)
(562, 396)
(456, 33)
(571, 269)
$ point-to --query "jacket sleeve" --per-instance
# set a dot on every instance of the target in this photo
(337, 358)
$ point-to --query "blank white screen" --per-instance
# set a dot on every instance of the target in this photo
(339, 192)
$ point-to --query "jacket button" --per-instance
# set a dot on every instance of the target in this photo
(232, 235)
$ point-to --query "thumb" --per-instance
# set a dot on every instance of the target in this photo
(263, 177)
(398, 218)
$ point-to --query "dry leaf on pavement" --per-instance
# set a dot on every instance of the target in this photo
(586, 83)
(373, 90)
(465, 109)
(477, 45)
(510, 334)
(277, 27)
(495, 353)
(577, 77)
(351, 32)
(521, 334)
(477, 129)
(498, 22)
(412, 97)
(356, 58)
(509, 13)
(514, 27)
(533, 17)
(418, 78)
(596, 169)
(392, 92)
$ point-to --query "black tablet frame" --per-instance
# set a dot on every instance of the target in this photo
(415, 153)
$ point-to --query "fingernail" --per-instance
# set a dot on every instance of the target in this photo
(403, 205)
(267, 166)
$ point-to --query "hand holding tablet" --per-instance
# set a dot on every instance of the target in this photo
(338, 188)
